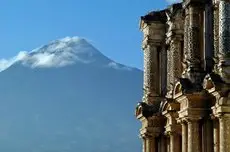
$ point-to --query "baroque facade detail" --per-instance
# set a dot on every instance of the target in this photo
(186, 101)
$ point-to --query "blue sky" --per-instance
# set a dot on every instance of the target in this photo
(112, 26)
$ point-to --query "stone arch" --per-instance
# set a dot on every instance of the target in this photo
(177, 91)
(138, 110)
(165, 106)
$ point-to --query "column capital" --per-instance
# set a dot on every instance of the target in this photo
(222, 116)
(192, 119)
(188, 120)
(149, 132)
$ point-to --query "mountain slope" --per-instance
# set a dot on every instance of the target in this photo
(81, 106)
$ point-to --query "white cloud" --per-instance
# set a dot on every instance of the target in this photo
(59, 53)
(117, 66)
(5, 63)
(42, 60)
(173, 1)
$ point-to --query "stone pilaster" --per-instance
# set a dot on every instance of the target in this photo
(224, 39)
(224, 122)
(193, 136)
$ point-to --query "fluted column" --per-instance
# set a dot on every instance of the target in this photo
(224, 122)
(184, 137)
(193, 136)
(224, 39)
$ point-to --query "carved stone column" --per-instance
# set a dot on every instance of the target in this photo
(174, 37)
(216, 33)
(143, 144)
(150, 73)
(216, 135)
(224, 121)
(186, 57)
(224, 39)
(207, 136)
(148, 142)
(193, 38)
(174, 142)
(172, 129)
(174, 63)
(194, 47)
(208, 38)
(184, 137)
(193, 136)
(151, 129)
(163, 141)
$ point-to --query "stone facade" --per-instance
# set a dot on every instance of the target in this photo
(186, 101)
